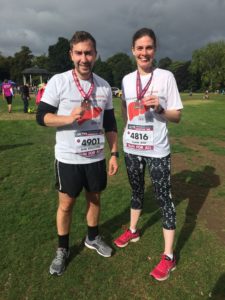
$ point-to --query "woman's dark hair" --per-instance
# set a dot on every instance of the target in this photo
(143, 32)
(81, 36)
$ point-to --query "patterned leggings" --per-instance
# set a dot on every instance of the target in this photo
(159, 171)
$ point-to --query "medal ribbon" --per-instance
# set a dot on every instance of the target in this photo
(87, 95)
(140, 92)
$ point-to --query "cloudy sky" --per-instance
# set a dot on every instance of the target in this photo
(181, 26)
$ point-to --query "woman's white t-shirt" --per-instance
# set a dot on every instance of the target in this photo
(146, 132)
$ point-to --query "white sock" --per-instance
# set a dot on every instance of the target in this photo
(133, 230)
(169, 255)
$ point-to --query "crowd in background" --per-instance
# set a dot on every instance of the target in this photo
(8, 89)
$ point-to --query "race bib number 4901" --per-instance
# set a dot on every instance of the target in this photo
(89, 143)
(139, 137)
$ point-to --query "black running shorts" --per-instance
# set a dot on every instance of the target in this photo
(71, 179)
(8, 99)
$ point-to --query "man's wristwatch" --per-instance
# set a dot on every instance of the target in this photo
(159, 110)
(115, 154)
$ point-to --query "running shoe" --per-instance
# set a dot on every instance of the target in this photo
(162, 270)
(126, 237)
(58, 264)
(99, 245)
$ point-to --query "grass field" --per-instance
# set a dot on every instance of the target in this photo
(28, 203)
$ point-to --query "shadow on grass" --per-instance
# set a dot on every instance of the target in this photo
(76, 250)
(191, 186)
(218, 292)
(7, 147)
(121, 221)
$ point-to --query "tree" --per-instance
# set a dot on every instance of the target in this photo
(103, 69)
(209, 61)
(41, 61)
(4, 67)
(164, 63)
(120, 65)
(181, 72)
(59, 59)
(20, 61)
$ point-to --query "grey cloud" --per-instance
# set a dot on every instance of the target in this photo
(181, 26)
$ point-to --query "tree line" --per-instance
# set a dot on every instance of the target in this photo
(206, 69)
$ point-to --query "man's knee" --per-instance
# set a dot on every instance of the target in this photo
(65, 208)
(66, 203)
(93, 198)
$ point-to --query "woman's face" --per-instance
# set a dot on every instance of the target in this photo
(144, 53)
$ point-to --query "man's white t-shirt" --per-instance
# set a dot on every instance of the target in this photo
(146, 132)
(83, 141)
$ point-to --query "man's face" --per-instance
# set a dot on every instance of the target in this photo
(83, 55)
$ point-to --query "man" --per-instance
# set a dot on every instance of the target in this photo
(79, 104)
(25, 95)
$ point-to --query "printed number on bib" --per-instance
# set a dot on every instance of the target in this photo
(139, 137)
(89, 143)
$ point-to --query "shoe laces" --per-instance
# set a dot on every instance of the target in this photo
(60, 255)
(164, 263)
(100, 242)
(126, 235)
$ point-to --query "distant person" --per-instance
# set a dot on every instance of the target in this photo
(7, 93)
(25, 95)
(79, 104)
(206, 96)
(150, 100)
(40, 92)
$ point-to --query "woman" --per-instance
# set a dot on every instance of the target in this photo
(150, 100)
(7, 92)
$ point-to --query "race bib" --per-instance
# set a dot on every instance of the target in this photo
(89, 143)
(139, 137)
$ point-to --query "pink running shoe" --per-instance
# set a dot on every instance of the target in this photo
(162, 270)
(126, 237)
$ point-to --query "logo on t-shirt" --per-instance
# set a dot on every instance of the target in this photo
(90, 114)
(133, 112)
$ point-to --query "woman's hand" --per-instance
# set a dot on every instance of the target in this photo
(151, 101)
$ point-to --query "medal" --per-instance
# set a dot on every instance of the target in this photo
(140, 92)
(86, 103)
(138, 104)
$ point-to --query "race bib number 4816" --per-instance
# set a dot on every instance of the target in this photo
(139, 137)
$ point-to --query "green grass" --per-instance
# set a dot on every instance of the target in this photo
(28, 203)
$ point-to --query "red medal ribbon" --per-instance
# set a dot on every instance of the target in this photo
(140, 92)
(87, 95)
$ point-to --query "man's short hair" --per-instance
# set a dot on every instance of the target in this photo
(81, 36)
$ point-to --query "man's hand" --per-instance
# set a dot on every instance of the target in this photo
(113, 166)
(77, 113)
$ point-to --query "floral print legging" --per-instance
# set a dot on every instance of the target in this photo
(159, 171)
